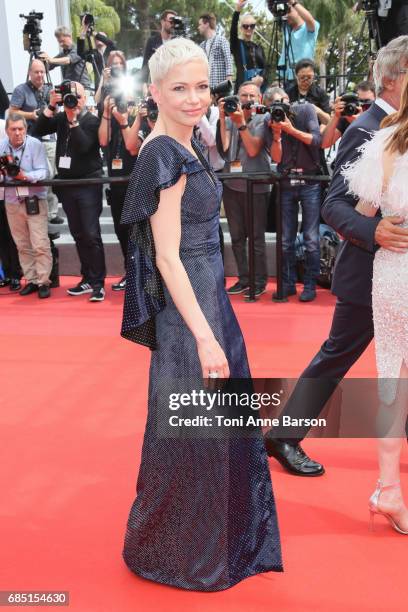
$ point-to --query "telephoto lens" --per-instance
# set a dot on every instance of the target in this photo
(231, 104)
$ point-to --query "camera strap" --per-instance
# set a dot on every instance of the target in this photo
(18, 163)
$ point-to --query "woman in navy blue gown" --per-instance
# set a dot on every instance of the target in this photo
(204, 517)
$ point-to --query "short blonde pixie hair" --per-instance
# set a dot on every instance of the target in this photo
(172, 53)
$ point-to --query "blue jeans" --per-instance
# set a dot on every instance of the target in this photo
(309, 198)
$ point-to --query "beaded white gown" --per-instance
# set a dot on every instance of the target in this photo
(390, 274)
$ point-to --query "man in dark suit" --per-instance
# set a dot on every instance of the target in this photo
(352, 325)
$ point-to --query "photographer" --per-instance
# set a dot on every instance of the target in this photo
(342, 117)
(306, 89)
(72, 66)
(121, 152)
(156, 40)
(26, 206)
(29, 99)
(78, 156)
(249, 57)
(117, 61)
(300, 36)
(99, 45)
(294, 142)
(242, 137)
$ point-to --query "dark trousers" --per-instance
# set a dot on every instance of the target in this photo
(235, 210)
(116, 198)
(8, 250)
(83, 207)
(351, 332)
(309, 198)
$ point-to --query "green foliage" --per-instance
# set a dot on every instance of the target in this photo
(106, 18)
(338, 46)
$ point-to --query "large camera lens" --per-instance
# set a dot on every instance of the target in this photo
(222, 89)
(70, 100)
(278, 112)
(351, 104)
(231, 104)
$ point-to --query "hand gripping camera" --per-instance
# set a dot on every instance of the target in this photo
(69, 94)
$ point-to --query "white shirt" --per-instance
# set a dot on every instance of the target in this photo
(385, 106)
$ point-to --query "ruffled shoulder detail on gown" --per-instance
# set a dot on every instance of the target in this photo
(365, 175)
(159, 166)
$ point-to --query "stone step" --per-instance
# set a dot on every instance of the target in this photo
(69, 262)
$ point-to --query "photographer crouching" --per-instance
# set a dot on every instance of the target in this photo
(23, 158)
(293, 135)
(78, 157)
(115, 136)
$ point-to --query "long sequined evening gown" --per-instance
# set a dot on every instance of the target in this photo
(204, 517)
(390, 275)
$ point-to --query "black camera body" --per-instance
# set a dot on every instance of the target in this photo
(88, 20)
(68, 91)
(152, 109)
(369, 5)
(279, 111)
(9, 166)
(31, 31)
(231, 104)
(352, 104)
(279, 8)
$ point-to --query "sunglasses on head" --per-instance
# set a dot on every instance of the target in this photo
(249, 26)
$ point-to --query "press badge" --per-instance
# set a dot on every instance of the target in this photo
(64, 162)
(117, 164)
(236, 166)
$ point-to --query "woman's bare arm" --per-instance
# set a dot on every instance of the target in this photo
(166, 228)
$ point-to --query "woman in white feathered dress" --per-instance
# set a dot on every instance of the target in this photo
(380, 179)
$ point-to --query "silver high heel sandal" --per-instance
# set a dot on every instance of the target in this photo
(373, 507)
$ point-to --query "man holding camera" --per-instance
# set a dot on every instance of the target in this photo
(347, 108)
(73, 67)
(78, 157)
(99, 46)
(242, 137)
(29, 99)
(26, 206)
(120, 134)
(294, 141)
(156, 40)
(300, 38)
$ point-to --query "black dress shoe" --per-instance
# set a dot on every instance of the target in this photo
(15, 284)
(4, 282)
(292, 457)
(44, 291)
(29, 288)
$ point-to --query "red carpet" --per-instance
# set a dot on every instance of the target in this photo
(73, 397)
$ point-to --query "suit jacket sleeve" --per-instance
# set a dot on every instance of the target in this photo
(234, 40)
(339, 207)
